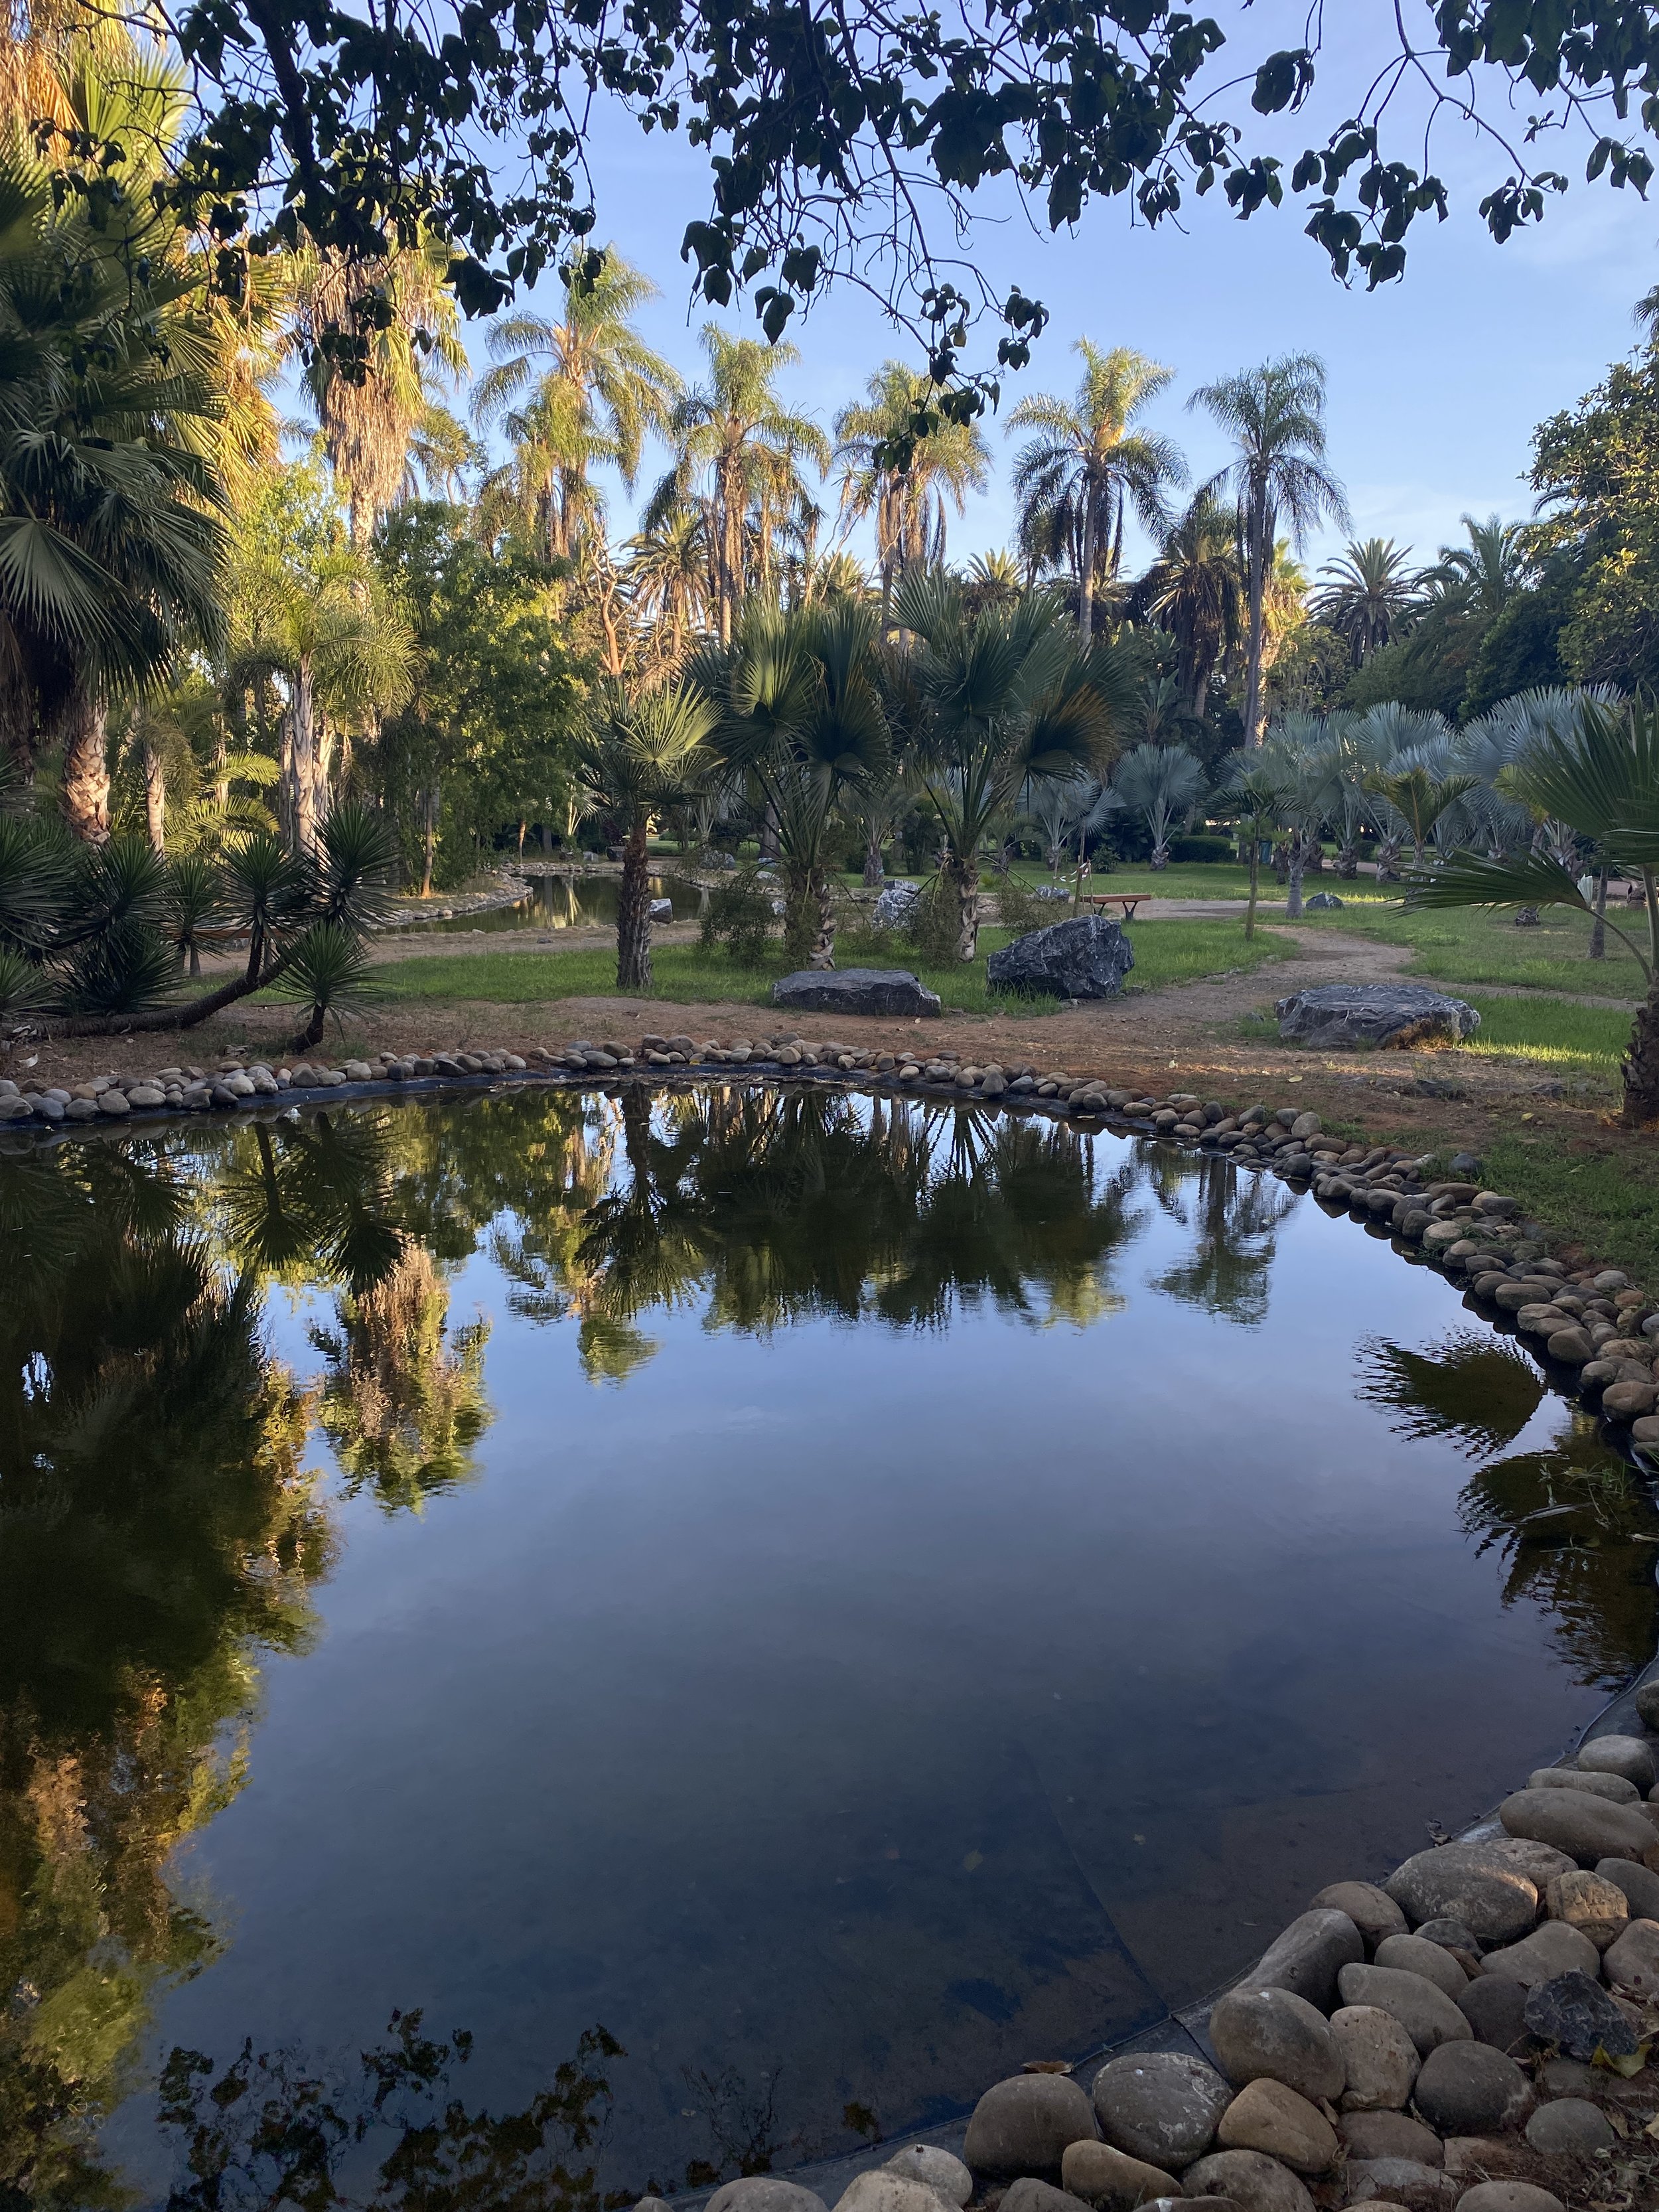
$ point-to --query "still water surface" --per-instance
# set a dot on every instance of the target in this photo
(569, 902)
(848, 1597)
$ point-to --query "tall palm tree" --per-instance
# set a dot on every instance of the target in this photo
(574, 395)
(1195, 591)
(908, 503)
(1088, 464)
(1275, 415)
(378, 335)
(668, 578)
(1008, 702)
(1600, 775)
(1370, 595)
(636, 757)
(1484, 574)
(736, 448)
(803, 712)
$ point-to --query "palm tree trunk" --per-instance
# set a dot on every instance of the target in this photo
(1293, 880)
(1086, 582)
(430, 802)
(155, 799)
(634, 911)
(298, 789)
(824, 946)
(1641, 1065)
(1598, 943)
(86, 769)
(1253, 717)
(1256, 880)
(873, 868)
(964, 878)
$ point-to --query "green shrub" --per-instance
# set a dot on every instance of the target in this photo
(739, 915)
(1020, 910)
(1201, 849)
(933, 923)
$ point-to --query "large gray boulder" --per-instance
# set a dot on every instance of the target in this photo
(765, 2192)
(1271, 2035)
(1471, 1882)
(1084, 957)
(1427, 2014)
(1586, 1828)
(1308, 1957)
(894, 907)
(1338, 1016)
(854, 991)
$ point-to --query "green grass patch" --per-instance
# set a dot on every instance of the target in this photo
(1165, 952)
(1476, 946)
(1574, 1040)
(1609, 1202)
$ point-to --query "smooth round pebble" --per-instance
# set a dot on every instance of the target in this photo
(1626, 1755)
(1508, 2196)
(1416, 1954)
(1160, 2106)
(940, 2170)
(1571, 2125)
(1022, 2126)
(1470, 2089)
(1255, 2183)
(1271, 2035)
(1265, 2116)
(1380, 2058)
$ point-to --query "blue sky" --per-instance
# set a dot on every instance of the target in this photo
(1436, 383)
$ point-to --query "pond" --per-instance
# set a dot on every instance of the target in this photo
(843, 1597)
(569, 902)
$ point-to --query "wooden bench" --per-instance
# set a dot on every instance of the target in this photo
(1127, 900)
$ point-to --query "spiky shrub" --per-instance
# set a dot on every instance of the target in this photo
(739, 916)
(329, 971)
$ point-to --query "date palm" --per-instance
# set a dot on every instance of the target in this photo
(1369, 596)
(1088, 464)
(636, 758)
(379, 335)
(572, 395)
(1195, 591)
(1275, 415)
(736, 448)
(908, 504)
(1007, 701)
(668, 579)
(1599, 776)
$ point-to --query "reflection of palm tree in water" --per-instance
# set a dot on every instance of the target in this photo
(1573, 1523)
(1233, 1217)
(402, 1407)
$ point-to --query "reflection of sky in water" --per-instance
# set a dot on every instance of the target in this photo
(888, 1706)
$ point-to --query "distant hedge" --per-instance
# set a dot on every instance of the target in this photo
(1202, 848)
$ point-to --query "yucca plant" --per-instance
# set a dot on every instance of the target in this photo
(329, 971)
(1598, 775)
(636, 758)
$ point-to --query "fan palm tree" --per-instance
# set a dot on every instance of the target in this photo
(1162, 784)
(636, 757)
(1195, 591)
(908, 503)
(802, 712)
(736, 448)
(1600, 776)
(1305, 772)
(1275, 415)
(1088, 464)
(1008, 700)
(574, 395)
(1369, 597)
(378, 335)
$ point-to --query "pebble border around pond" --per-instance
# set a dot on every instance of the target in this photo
(1452, 2040)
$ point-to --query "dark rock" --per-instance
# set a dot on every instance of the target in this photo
(1308, 1957)
(1371, 1910)
(1160, 2106)
(1496, 2009)
(1322, 902)
(1272, 2035)
(1110, 2179)
(1389, 2134)
(1023, 2125)
(1508, 2196)
(1427, 2014)
(1639, 1883)
(1085, 957)
(1450, 1935)
(1415, 1954)
(1570, 2127)
(1470, 2089)
(1390, 2179)
(894, 906)
(854, 991)
(764, 2192)
(1578, 2016)
(1552, 1948)
(1254, 2181)
(1335, 1015)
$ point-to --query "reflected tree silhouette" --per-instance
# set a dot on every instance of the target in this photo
(402, 1404)
(392, 2133)
(1232, 1218)
(1574, 1528)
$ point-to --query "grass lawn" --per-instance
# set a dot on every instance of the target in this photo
(1165, 952)
(1606, 1201)
(1569, 1039)
(1474, 945)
